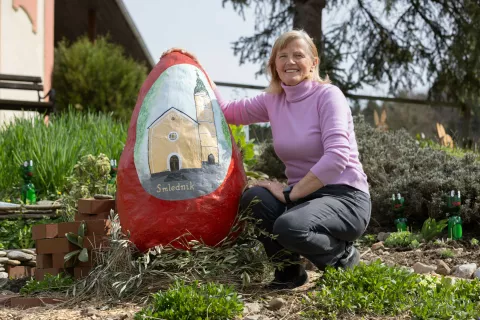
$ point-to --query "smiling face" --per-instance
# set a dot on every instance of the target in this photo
(295, 63)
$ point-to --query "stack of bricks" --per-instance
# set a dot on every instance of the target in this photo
(52, 244)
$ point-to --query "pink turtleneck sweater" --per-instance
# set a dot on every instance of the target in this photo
(312, 129)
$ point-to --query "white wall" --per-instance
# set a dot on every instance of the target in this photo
(21, 52)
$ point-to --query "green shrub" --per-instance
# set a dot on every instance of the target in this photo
(395, 163)
(55, 149)
(447, 253)
(402, 239)
(97, 76)
(432, 229)
(246, 147)
(48, 284)
(269, 163)
(195, 301)
(376, 290)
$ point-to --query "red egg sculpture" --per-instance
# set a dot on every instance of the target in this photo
(180, 171)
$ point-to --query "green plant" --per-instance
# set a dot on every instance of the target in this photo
(17, 234)
(401, 239)
(367, 240)
(268, 161)
(447, 253)
(195, 301)
(246, 147)
(376, 290)
(77, 239)
(96, 76)
(55, 149)
(432, 229)
(91, 175)
(474, 242)
(49, 283)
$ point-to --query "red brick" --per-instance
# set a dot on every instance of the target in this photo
(16, 272)
(44, 261)
(44, 231)
(40, 273)
(94, 227)
(24, 303)
(87, 217)
(59, 259)
(80, 272)
(94, 206)
(62, 245)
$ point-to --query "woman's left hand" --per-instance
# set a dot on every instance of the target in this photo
(275, 188)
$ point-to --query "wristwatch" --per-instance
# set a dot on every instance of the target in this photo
(286, 194)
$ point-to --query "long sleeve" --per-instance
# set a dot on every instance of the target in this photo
(334, 114)
(244, 111)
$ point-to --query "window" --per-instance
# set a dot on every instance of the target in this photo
(211, 159)
(174, 163)
(173, 136)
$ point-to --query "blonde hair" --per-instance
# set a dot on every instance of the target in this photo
(281, 43)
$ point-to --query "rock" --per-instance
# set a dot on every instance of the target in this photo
(380, 252)
(32, 263)
(465, 271)
(45, 203)
(29, 251)
(382, 236)
(443, 268)
(457, 251)
(13, 262)
(2, 269)
(102, 196)
(377, 245)
(3, 253)
(3, 275)
(421, 268)
(6, 292)
(88, 312)
(276, 303)
(3, 259)
(256, 317)
(19, 255)
(252, 307)
(389, 263)
(476, 274)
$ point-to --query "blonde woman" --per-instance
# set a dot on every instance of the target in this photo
(326, 205)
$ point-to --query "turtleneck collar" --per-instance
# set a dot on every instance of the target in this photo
(299, 91)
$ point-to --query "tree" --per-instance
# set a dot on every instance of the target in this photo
(399, 42)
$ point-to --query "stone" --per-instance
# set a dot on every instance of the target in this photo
(3, 259)
(88, 312)
(276, 303)
(3, 275)
(382, 236)
(422, 268)
(256, 317)
(465, 271)
(443, 268)
(377, 246)
(476, 274)
(2, 269)
(32, 263)
(389, 263)
(198, 182)
(252, 307)
(19, 255)
(3, 253)
(457, 251)
(13, 262)
(29, 251)
(102, 196)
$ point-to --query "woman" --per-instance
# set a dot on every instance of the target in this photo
(326, 205)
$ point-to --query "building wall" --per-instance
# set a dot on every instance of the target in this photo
(26, 47)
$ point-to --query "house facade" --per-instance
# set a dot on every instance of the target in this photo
(30, 29)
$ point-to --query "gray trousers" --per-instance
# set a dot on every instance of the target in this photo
(319, 227)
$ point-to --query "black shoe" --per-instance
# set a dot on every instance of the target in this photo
(350, 259)
(289, 278)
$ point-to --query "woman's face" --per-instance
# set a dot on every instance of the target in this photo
(294, 63)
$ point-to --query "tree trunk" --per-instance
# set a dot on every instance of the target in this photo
(308, 16)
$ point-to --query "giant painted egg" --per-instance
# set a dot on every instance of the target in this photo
(180, 172)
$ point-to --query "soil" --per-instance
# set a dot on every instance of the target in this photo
(463, 252)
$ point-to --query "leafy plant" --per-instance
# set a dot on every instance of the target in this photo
(195, 301)
(246, 147)
(77, 239)
(367, 240)
(49, 283)
(376, 289)
(96, 76)
(474, 242)
(17, 234)
(55, 149)
(447, 253)
(401, 239)
(432, 229)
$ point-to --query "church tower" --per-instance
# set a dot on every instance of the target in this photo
(206, 123)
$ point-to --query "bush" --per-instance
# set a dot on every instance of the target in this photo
(17, 234)
(55, 149)
(269, 163)
(97, 76)
(192, 302)
(58, 283)
(376, 289)
(402, 239)
(395, 163)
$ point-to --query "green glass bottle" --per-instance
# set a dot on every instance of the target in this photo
(398, 208)
(454, 202)
(28, 193)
